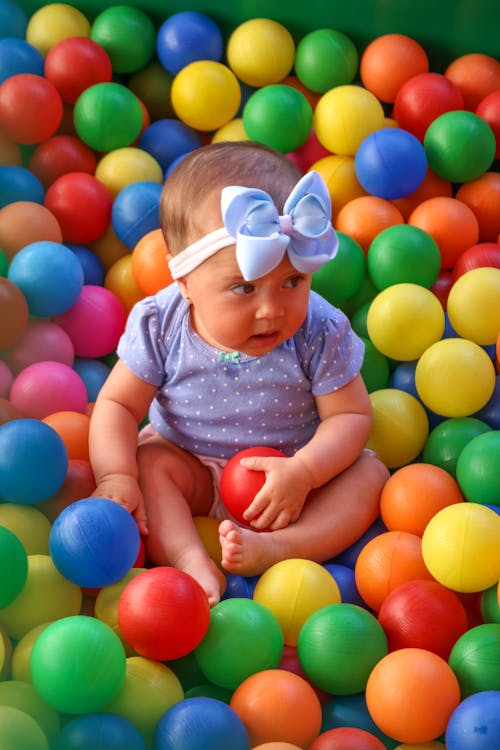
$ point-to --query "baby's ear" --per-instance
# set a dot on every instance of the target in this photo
(183, 289)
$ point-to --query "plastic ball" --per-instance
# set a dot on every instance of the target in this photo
(95, 322)
(447, 440)
(24, 697)
(10, 153)
(52, 23)
(78, 664)
(93, 268)
(13, 313)
(176, 617)
(375, 367)
(423, 98)
(167, 139)
(6, 379)
(476, 75)
(326, 58)
(478, 256)
(188, 36)
(403, 254)
(460, 547)
(346, 738)
(59, 155)
(459, 146)
(239, 485)
(18, 56)
(364, 217)
(200, 722)
(13, 20)
(231, 131)
(49, 275)
(278, 705)
(431, 186)
(19, 184)
(451, 223)
(121, 167)
(338, 647)
(390, 163)
(341, 277)
(46, 387)
(127, 34)
(149, 262)
(423, 614)
(478, 710)
(33, 462)
(30, 108)
(411, 694)
(388, 61)
(45, 597)
(489, 109)
(41, 340)
(261, 52)
(387, 561)
(477, 468)
(107, 116)
(205, 95)
(152, 85)
(455, 377)
(293, 590)
(340, 176)
(474, 659)
(400, 427)
(90, 729)
(14, 562)
(345, 116)
(25, 222)
(136, 211)
(474, 305)
(65, 198)
(76, 63)
(120, 280)
(73, 428)
(269, 108)
(19, 729)
(29, 525)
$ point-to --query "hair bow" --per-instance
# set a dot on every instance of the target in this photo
(263, 236)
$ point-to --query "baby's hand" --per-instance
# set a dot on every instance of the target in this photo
(124, 490)
(281, 498)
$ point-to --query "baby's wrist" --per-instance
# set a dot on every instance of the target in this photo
(306, 470)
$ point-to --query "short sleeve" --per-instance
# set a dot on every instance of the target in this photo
(141, 346)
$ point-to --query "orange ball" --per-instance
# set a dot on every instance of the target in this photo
(24, 222)
(476, 75)
(388, 62)
(311, 96)
(10, 153)
(385, 562)
(120, 280)
(414, 494)
(431, 186)
(278, 706)
(109, 248)
(13, 313)
(365, 217)
(451, 223)
(149, 263)
(483, 198)
(79, 483)
(411, 694)
(341, 180)
(73, 429)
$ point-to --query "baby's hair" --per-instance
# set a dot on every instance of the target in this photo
(202, 174)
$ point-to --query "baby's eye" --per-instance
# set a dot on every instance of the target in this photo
(243, 288)
(293, 281)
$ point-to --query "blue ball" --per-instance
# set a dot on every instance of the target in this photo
(49, 275)
(93, 268)
(96, 730)
(352, 711)
(346, 581)
(94, 542)
(350, 555)
(390, 163)
(239, 587)
(200, 723)
(19, 56)
(136, 211)
(93, 372)
(167, 139)
(19, 184)
(13, 20)
(475, 723)
(186, 37)
(490, 413)
(33, 461)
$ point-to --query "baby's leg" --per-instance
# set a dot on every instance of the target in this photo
(338, 514)
(176, 487)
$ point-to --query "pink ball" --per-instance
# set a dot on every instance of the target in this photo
(45, 388)
(95, 322)
(42, 340)
(6, 379)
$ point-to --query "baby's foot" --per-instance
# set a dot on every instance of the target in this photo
(246, 552)
(204, 570)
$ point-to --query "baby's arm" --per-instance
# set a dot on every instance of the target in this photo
(346, 417)
(121, 405)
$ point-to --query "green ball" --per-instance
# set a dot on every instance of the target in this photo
(13, 564)
(403, 254)
(365, 295)
(460, 146)
(375, 369)
(128, 35)
(338, 647)
(490, 610)
(107, 116)
(4, 264)
(478, 469)
(243, 638)
(358, 320)
(341, 277)
(475, 659)
(278, 116)
(448, 439)
(20, 731)
(326, 58)
(78, 664)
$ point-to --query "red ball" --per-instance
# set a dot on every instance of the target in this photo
(82, 206)
(238, 485)
(163, 613)
(59, 155)
(74, 64)
(489, 109)
(30, 108)
(423, 98)
(423, 614)
(479, 255)
(346, 738)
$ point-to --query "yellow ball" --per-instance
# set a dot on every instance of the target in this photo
(433, 745)
(400, 426)
(345, 116)
(123, 166)
(106, 606)
(293, 590)
(109, 247)
(120, 280)
(208, 530)
(461, 547)
(231, 131)
(205, 95)
(53, 23)
(340, 176)
(29, 524)
(21, 656)
(404, 320)
(261, 51)
(474, 305)
(455, 377)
